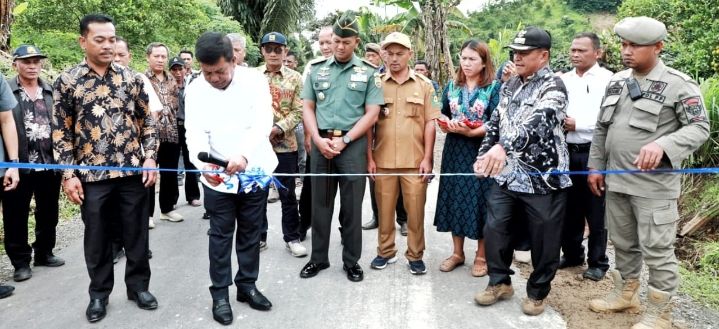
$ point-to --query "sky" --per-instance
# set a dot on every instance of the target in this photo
(324, 7)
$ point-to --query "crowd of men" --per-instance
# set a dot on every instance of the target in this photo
(348, 115)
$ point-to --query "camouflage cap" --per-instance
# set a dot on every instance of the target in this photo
(346, 26)
(641, 30)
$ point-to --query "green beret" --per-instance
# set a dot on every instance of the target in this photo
(346, 26)
(641, 30)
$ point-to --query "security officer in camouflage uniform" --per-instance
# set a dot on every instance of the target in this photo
(652, 117)
(342, 97)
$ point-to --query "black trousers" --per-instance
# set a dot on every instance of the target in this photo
(305, 204)
(544, 214)
(225, 210)
(581, 204)
(324, 189)
(45, 186)
(192, 189)
(168, 157)
(288, 198)
(123, 199)
(401, 213)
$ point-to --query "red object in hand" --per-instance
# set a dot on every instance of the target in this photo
(472, 124)
(442, 123)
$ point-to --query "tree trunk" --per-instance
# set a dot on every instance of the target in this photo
(434, 17)
(6, 7)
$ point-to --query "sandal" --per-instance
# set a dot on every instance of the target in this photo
(451, 263)
(480, 267)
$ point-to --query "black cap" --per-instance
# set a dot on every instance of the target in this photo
(274, 37)
(531, 38)
(27, 51)
(176, 61)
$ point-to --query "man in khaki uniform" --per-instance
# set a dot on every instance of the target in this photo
(652, 117)
(404, 144)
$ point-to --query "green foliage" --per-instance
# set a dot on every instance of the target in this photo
(693, 46)
(701, 282)
(260, 16)
(707, 156)
(53, 25)
(594, 5)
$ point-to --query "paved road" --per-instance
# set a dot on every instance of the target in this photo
(391, 298)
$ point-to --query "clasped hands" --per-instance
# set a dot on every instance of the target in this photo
(330, 147)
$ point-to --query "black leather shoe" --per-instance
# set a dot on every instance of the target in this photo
(255, 298)
(372, 224)
(96, 310)
(354, 273)
(222, 311)
(311, 269)
(49, 261)
(6, 291)
(205, 216)
(594, 274)
(144, 299)
(565, 263)
(22, 274)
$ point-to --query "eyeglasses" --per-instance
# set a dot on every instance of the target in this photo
(276, 49)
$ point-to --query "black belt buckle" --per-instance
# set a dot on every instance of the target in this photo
(580, 148)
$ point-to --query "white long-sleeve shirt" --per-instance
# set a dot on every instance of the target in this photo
(230, 122)
(584, 100)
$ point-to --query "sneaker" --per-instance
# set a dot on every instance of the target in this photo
(263, 246)
(151, 224)
(172, 216)
(380, 262)
(417, 267)
(494, 293)
(296, 248)
(274, 195)
(532, 307)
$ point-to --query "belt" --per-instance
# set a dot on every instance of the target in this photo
(579, 148)
(180, 122)
(329, 133)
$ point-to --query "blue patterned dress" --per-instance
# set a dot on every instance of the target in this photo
(461, 203)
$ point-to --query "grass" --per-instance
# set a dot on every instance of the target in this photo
(68, 211)
(700, 280)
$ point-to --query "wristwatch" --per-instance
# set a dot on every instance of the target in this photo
(346, 139)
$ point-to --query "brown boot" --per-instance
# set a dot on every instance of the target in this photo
(532, 306)
(494, 293)
(624, 297)
(659, 311)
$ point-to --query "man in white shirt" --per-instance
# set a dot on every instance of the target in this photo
(585, 88)
(228, 113)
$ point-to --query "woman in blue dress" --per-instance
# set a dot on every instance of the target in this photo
(461, 204)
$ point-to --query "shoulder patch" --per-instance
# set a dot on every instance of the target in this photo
(370, 64)
(680, 74)
(424, 78)
(694, 109)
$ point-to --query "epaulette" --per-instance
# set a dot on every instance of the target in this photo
(621, 75)
(317, 60)
(370, 64)
(424, 78)
(679, 74)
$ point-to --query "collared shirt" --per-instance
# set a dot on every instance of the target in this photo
(166, 90)
(235, 121)
(528, 124)
(399, 135)
(584, 96)
(36, 115)
(285, 88)
(670, 113)
(341, 91)
(102, 121)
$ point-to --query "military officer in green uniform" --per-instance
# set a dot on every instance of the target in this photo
(652, 117)
(342, 96)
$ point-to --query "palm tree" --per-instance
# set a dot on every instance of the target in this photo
(261, 16)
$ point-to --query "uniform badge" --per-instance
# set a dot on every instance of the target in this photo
(615, 88)
(658, 87)
(694, 109)
(325, 85)
(353, 85)
(359, 77)
(377, 80)
(357, 69)
(321, 96)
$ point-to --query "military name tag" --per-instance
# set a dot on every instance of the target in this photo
(655, 97)
(358, 77)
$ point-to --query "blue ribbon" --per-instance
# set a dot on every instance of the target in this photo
(255, 178)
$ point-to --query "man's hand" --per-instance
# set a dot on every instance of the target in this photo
(371, 168)
(11, 179)
(596, 183)
(211, 178)
(649, 157)
(425, 168)
(276, 135)
(338, 144)
(509, 70)
(492, 162)
(235, 164)
(149, 176)
(570, 124)
(324, 145)
(73, 190)
(308, 143)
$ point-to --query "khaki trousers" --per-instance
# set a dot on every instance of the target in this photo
(414, 192)
(642, 228)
